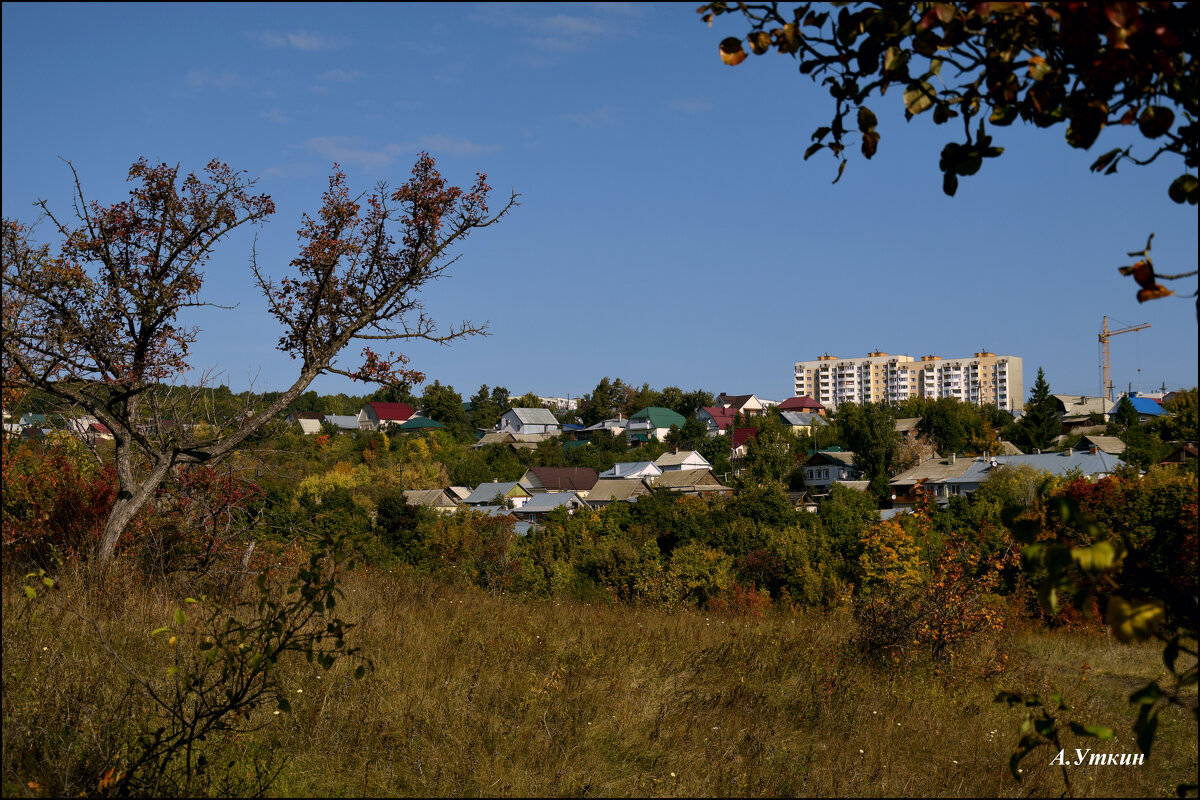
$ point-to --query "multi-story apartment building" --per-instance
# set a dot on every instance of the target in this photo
(986, 378)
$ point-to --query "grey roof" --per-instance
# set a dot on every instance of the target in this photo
(493, 511)
(429, 497)
(1076, 405)
(935, 470)
(1089, 464)
(676, 459)
(802, 419)
(976, 470)
(611, 490)
(632, 469)
(343, 420)
(487, 492)
(687, 479)
(844, 457)
(612, 422)
(517, 440)
(548, 501)
(534, 416)
(858, 486)
(906, 424)
(1109, 444)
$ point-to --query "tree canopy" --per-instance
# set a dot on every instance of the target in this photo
(95, 322)
(1085, 65)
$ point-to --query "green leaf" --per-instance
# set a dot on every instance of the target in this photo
(171, 671)
(866, 119)
(180, 617)
(30, 592)
(1185, 189)
(812, 148)
(1097, 558)
(284, 705)
(163, 629)
(1094, 731)
(1147, 695)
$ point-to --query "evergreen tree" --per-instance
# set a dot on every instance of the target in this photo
(1041, 423)
(1125, 414)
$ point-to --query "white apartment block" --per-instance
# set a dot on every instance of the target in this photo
(985, 378)
(561, 403)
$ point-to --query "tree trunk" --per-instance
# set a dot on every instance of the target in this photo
(132, 494)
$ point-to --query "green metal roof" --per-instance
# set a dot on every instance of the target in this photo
(660, 417)
(418, 423)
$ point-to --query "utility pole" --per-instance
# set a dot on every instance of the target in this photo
(1105, 335)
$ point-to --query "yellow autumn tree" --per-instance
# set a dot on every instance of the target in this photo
(890, 557)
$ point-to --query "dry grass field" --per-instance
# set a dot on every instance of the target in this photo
(474, 694)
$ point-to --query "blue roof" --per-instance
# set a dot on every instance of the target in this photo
(1145, 406)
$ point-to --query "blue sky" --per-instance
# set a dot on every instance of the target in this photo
(669, 231)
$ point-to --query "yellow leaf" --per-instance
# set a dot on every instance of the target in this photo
(1134, 621)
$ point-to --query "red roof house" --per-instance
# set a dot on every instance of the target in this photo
(805, 405)
(375, 415)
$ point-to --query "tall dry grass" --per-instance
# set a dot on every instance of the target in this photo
(478, 694)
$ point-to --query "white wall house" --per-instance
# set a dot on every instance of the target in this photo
(681, 460)
(524, 421)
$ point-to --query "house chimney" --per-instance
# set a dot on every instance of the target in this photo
(1068, 452)
(1094, 450)
(953, 457)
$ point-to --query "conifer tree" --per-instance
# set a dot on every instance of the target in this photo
(1041, 423)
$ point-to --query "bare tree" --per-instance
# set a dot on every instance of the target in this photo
(97, 323)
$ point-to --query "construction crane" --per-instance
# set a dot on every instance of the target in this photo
(1105, 335)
